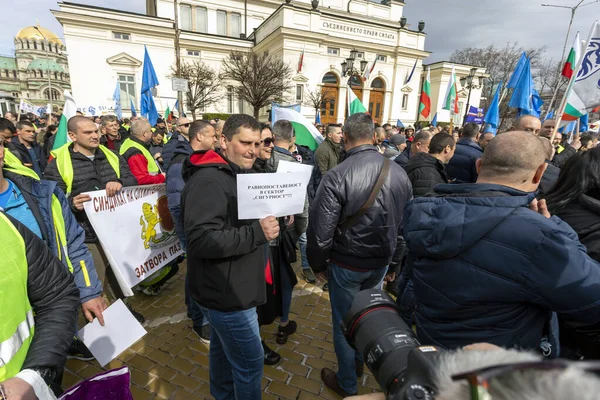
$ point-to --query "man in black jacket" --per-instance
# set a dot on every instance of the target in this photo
(420, 144)
(425, 170)
(356, 254)
(462, 166)
(52, 302)
(27, 150)
(227, 258)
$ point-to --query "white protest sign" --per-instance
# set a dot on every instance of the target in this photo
(120, 331)
(261, 195)
(96, 111)
(289, 166)
(135, 230)
(28, 107)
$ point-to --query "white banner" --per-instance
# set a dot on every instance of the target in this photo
(277, 194)
(135, 230)
(28, 107)
(96, 111)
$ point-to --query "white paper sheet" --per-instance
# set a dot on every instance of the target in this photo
(288, 166)
(120, 331)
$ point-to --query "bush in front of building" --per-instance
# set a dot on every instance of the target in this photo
(209, 116)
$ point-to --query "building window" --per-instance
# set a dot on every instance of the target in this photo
(221, 23)
(381, 58)
(35, 45)
(54, 92)
(41, 74)
(230, 99)
(236, 25)
(15, 74)
(28, 45)
(193, 53)
(299, 92)
(185, 17)
(121, 36)
(404, 101)
(43, 47)
(333, 51)
(127, 85)
(360, 55)
(201, 20)
(55, 75)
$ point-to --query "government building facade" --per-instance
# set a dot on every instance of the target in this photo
(107, 46)
(37, 72)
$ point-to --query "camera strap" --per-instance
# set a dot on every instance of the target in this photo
(351, 220)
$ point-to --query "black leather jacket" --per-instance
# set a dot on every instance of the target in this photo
(370, 243)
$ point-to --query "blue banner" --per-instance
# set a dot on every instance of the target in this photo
(475, 115)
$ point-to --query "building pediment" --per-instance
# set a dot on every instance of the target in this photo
(300, 78)
(463, 93)
(406, 89)
(124, 59)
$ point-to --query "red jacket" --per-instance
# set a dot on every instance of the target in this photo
(138, 164)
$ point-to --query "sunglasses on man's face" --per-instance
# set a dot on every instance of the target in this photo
(186, 125)
(479, 379)
(267, 142)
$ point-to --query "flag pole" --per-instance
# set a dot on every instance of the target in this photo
(563, 103)
(19, 113)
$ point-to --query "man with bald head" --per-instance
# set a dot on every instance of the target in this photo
(489, 263)
(527, 123)
(135, 150)
(563, 151)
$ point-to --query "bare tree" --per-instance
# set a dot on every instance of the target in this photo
(204, 85)
(261, 79)
(499, 63)
(317, 97)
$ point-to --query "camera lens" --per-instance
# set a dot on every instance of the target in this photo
(374, 327)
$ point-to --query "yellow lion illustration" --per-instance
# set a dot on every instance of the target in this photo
(153, 218)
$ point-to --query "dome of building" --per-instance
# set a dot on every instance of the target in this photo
(42, 64)
(32, 33)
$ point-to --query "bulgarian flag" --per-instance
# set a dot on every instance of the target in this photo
(305, 131)
(425, 101)
(583, 93)
(69, 110)
(301, 62)
(354, 104)
(572, 59)
(369, 71)
(168, 113)
(451, 97)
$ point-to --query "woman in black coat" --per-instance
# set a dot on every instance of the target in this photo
(575, 198)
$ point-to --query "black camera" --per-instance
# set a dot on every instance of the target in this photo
(403, 368)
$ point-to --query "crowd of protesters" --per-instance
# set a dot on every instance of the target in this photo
(483, 238)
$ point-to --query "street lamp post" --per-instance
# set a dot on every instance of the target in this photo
(348, 65)
(573, 11)
(467, 81)
(49, 112)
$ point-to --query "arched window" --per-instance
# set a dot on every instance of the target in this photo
(356, 80)
(28, 46)
(34, 74)
(15, 74)
(54, 92)
(41, 73)
(377, 84)
(35, 45)
(330, 78)
(55, 75)
(43, 46)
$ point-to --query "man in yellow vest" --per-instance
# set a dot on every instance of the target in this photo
(43, 208)
(84, 166)
(38, 300)
(135, 150)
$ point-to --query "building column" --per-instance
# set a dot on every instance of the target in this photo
(387, 111)
(365, 97)
(341, 103)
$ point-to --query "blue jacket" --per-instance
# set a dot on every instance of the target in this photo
(488, 269)
(38, 195)
(181, 149)
(462, 166)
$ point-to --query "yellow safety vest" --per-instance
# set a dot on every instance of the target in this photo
(65, 165)
(125, 126)
(128, 143)
(12, 164)
(16, 314)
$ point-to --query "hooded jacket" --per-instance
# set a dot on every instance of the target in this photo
(488, 269)
(369, 243)
(327, 155)
(175, 183)
(462, 166)
(425, 171)
(38, 196)
(226, 256)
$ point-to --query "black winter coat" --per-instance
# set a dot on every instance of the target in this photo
(370, 243)
(305, 155)
(21, 152)
(226, 256)
(89, 176)
(403, 158)
(462, 166)
(548, 179)
(561, 158)
(583, 215)
(55, 300)
(425, 171)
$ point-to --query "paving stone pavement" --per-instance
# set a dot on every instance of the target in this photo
(171, 363)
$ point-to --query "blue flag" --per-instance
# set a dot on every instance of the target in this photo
(492, 116)
(475, 115)
(584, 123)
(177, 106)
(117, 99)
(523, 94)
(149, 80)
(411, 72)
(318, 119)
(434, 120)
(537, 103)
(133, 110)
(568, 128)
(399, 124)
(550, 115)
(514, 78)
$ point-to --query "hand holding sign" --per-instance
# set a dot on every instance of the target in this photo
(270, 227)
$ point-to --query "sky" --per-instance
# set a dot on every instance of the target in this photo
(449, 24)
